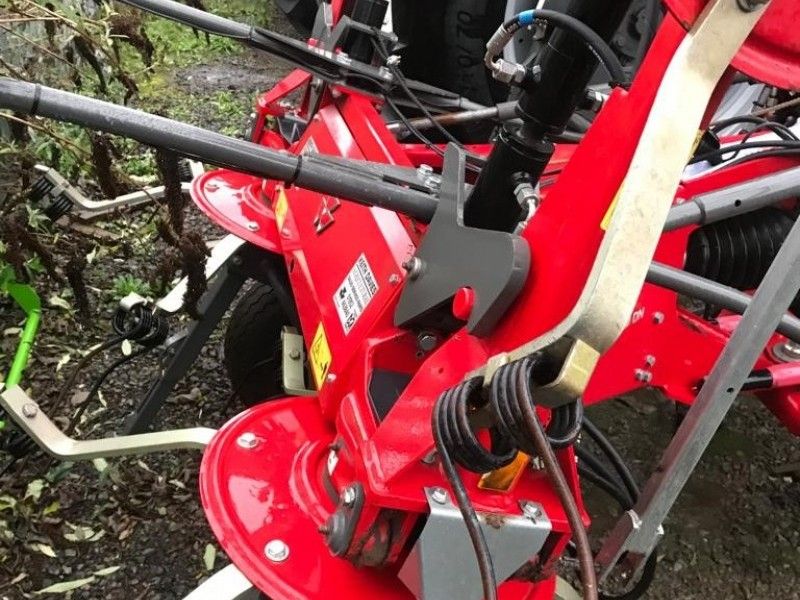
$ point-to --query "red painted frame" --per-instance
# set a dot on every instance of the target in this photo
(276, 490)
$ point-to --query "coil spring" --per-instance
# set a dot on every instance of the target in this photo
(141, 325)
(40, 188)
(58, 207)
(460, 414)
(738, 251)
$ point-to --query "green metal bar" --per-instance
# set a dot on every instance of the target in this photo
(28, 300)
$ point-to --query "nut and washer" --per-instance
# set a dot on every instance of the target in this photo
(530, 509)
(247, 440)
(439, 495)
(276, 550)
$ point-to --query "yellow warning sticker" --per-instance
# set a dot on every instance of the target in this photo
(610, 212)
(320, 355)
(281, 208)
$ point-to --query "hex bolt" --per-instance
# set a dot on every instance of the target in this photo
(252, 226)
(537, 464)
(650, 360)
(658, 318)
(427, 341)
(247, 440)
(294, 354)
(330, 378)
(29, 410)
(394, 279)
(530, 509)
(349, 496)
(643, 375)
(414, 267)
(276, 550)
(439, 495)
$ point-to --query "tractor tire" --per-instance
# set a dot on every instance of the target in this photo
(252, 346)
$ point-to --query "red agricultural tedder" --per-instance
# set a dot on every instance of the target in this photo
(450, 310)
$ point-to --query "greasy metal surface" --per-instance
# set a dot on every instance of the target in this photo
(439, 566)
(637, 532)
(772, 52)
(644, 199)
(227, 584)
(33, 421)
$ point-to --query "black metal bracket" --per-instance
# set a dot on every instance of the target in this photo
(249, 262)
(494, 264)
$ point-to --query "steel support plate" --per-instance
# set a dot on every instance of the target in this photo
(441, 566)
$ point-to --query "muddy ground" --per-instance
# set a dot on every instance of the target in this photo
(134, 527)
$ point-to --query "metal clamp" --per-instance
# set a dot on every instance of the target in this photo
(34, 422)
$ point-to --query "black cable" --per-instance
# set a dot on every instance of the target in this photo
(778, 128)
(70, 382)
(565, 425)
(380, 47)
(99, 382)
(595, 465)
(482, 555)
(784, 152)
(613, 456)
(735, 148)
(604, 484)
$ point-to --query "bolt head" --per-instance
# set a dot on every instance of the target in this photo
(29, 410)
(294, 354)
(650, 360)
(414, 267)
(394, 279)
(247, 440)
(658, 318)
(427, 342)
(276, 550)
(439, 495)
(349, 496)
(252, 226)
(530, 509)
(330, 378)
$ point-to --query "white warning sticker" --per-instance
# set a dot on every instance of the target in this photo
(355, 293)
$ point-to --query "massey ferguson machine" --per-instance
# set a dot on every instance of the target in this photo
(451, 309)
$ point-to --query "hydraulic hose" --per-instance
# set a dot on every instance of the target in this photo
(596, 44)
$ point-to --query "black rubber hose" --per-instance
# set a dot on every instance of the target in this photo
(613, 456)
(596, 44)
(593, 464)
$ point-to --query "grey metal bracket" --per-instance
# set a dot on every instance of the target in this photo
(34, 422)
(493, 264)
(294, 359)
(637, 532)
(437, 569)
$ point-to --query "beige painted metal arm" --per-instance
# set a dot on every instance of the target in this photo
(33, 421)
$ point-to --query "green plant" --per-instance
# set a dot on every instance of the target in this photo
(129, 284)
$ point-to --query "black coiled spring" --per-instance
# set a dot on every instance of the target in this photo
(462, 411)
(141, 325)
